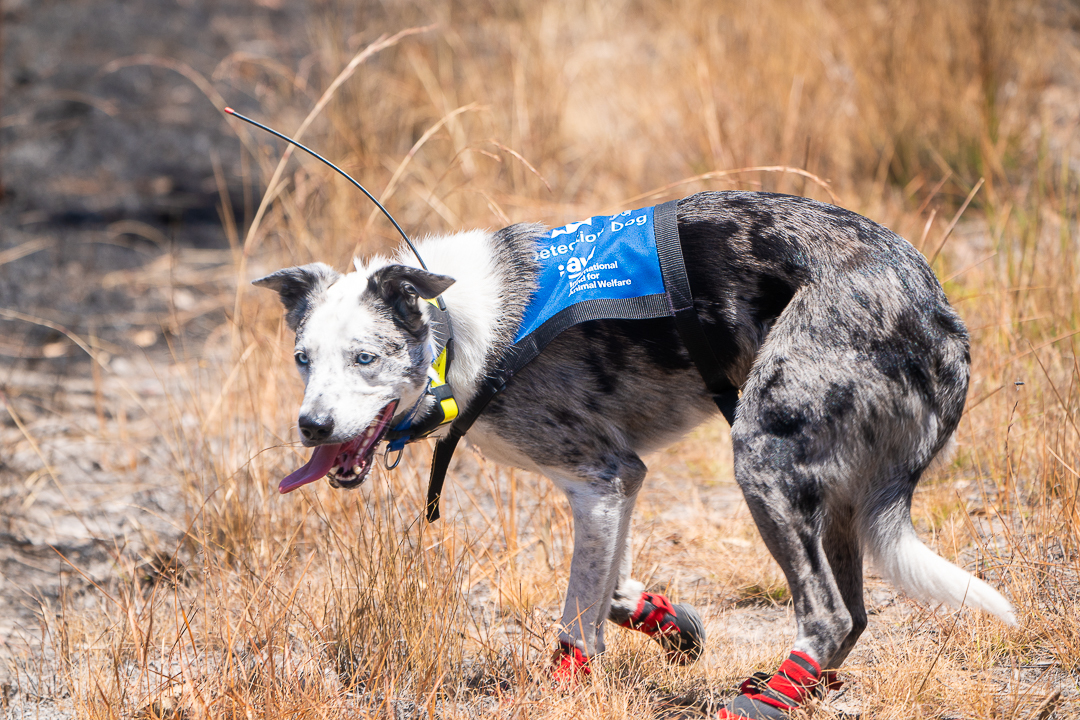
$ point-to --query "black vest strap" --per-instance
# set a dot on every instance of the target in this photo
(673, 268)
(444, 448)
(440, 463)
(679, 303)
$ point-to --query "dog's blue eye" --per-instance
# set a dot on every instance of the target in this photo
(365, 358)
(301, 358)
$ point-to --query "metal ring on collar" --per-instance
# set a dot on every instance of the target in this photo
(397, 460)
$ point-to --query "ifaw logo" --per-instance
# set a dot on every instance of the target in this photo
(576, 265)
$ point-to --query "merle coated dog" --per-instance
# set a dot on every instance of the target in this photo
(852, 369)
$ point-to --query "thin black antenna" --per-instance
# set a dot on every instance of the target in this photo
(309, 151)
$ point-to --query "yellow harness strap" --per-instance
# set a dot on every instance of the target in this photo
(439, 388)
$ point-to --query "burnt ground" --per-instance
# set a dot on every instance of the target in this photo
(109, 222)
(107, 167)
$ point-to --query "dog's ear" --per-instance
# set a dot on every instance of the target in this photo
(402, 287)
(299, 287)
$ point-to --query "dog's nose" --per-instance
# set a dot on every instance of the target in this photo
(317, 428)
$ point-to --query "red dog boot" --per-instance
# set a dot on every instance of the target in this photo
(770, 698)
(678, 628)
(568, 664)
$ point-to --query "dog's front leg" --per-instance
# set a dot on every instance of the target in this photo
(596, 546)
(602, 502)
(678, 628)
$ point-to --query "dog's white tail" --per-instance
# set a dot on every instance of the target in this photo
(906, 563)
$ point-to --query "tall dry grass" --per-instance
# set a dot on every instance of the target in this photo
(325, 602)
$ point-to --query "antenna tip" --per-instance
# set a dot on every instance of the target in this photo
(230, 111)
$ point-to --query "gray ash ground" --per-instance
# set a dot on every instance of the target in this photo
(109, 230)
(106, 168)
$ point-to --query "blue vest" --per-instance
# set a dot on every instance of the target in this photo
(603, 267)
(604, 258)
(607, 267)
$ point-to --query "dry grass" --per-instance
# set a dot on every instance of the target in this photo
(322, 603)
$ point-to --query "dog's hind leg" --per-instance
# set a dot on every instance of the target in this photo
(787, 504)
(790, 461)
(843, 550)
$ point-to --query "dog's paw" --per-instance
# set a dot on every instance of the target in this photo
(568, 665)
(678, 628)
(773, 697)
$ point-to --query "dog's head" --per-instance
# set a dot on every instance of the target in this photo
(362, 349)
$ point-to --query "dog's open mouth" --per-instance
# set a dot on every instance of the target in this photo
(347, 464)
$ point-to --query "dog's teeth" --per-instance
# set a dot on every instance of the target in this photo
(356, 469)
(336, 469)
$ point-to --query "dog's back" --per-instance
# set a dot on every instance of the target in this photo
(777, 280)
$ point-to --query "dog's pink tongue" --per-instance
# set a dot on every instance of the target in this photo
(320, 463)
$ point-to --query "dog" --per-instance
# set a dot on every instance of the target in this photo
(852, 370)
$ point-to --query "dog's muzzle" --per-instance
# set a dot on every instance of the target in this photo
(347, 464)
